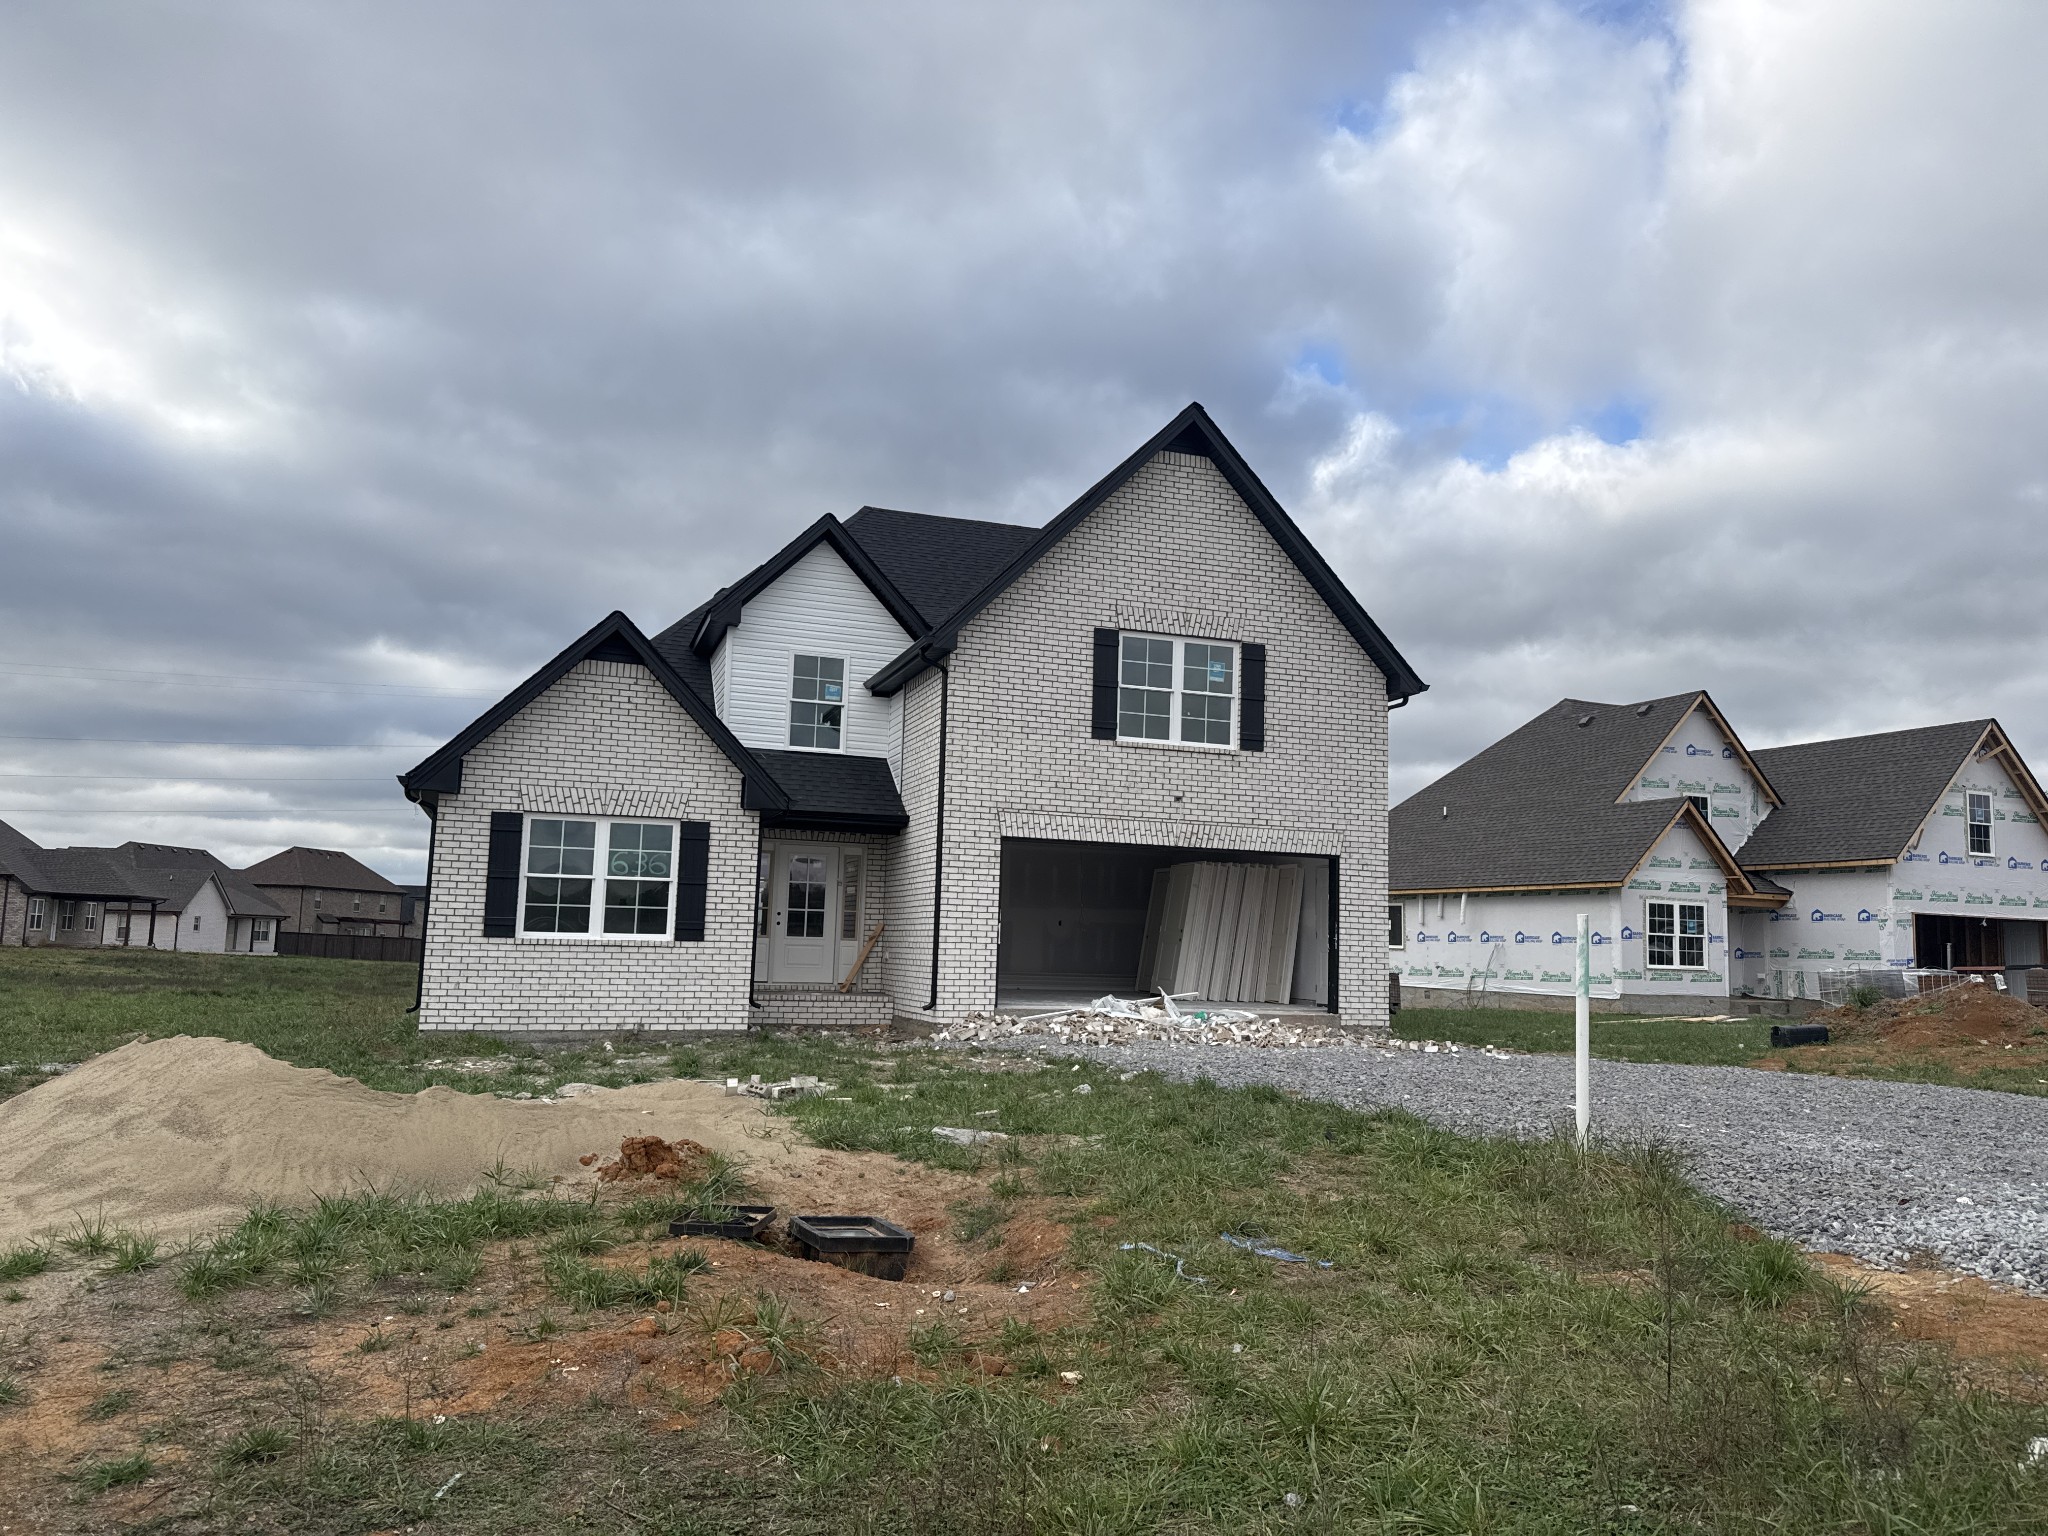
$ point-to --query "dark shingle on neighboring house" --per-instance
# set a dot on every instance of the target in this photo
(937, 562)
(325, 868)
(1537, 808)
(1858, 799)
(175, 875)
(98, 873)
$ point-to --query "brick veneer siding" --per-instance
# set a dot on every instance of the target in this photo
(605, 740)
(13, 910)
(816, 1007)
(1174, 551)
(875, 852)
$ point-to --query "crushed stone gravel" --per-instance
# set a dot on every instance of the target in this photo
(1886, 1172)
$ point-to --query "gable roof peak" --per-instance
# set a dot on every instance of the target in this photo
(1190, 431)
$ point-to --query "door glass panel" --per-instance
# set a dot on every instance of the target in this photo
(806, 905)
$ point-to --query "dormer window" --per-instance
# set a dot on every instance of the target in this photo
(817, 702)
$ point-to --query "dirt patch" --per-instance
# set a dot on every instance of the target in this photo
(2004, 1334)
(649, 1157)
(1972, 1032)
(184, 1135)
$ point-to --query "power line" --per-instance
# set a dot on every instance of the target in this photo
(282, 746)
(205, 778)
(283, 813)
(231, 682)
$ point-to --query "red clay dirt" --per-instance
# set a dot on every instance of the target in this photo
(649, 1157)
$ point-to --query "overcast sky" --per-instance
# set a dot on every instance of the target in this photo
(355, 357)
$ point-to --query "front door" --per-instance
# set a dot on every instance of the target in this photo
(802, 931)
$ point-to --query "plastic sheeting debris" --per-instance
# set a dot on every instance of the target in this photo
(1283, 1255)
(1180, 1265)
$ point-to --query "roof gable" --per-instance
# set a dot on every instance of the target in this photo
(1538, 810)
(1701, 703)
(937, 562)
(1190, 432)
(722, 613)
(1860, 800)
(613, 638)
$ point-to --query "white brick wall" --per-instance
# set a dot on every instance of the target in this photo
(605, 740)
(1173, 551)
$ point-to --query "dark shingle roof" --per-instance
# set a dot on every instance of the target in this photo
(937, 562)
(828, 788)
(175, 875)
(96, 872)
(1537, 808)
(328, 868)
(1858, 799)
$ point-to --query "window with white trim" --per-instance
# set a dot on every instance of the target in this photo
(92, 917)
(195, 922)
(259, 930)
(1177, 690)
(1397, 926)
(37, 914)
(67, 916)
(817, 702)
(598, 877)
(1675, 935)
(1977, 807)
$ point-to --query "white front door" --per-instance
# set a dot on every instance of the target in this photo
(803, 931)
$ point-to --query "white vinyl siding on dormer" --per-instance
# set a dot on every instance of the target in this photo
(818, 607)
(1698, 761)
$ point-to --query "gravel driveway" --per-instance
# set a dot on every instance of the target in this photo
(1849, 1165)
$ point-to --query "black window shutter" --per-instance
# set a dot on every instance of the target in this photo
(693, 878)
(1251, 731)
(501, 875)
(1102, 725)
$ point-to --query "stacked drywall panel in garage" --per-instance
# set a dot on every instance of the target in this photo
(1225, 933)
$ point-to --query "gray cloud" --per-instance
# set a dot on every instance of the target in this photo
(394, 344)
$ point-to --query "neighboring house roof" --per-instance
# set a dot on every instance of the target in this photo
(327, 868)
(1538, 809)
(175, 875)
(1191, 432)
(98, 873)
(829, 789)
(1861, 799)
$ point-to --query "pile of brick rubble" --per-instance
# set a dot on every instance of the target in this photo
(1117, 1021)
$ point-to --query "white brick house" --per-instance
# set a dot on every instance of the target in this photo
(919, 766)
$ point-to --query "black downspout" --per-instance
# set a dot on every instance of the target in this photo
(419, 984)
(1334, 905)
(754, 916)
(939, 849)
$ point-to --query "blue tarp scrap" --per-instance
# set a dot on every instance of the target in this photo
(1282, 1254)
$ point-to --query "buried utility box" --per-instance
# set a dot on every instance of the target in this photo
(1798, 1034)
(867, 1245)
(740, 1223)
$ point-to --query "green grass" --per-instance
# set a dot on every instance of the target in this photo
(1615, 1039)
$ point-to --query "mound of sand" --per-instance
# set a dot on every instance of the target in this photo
(183, 1135)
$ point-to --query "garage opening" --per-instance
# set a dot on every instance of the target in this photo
(1956, 941)
(1082, 919)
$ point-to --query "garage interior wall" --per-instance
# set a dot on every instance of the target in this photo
(1073, 916)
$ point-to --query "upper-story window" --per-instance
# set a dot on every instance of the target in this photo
(1978, 806)
(817, 702)
(1177, 690)
(596, 877)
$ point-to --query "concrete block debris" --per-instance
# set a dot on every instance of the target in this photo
(1111, 1021)
(799, 1086)
(961, 1136)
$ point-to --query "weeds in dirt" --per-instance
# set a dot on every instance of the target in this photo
(25, 1260)
(110, 1405)
(592, 1287)
(257, 1444)
(99, 1476)
(11, 1392)
(132, 1253)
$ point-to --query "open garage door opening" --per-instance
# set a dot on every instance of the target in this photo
(1253, 930)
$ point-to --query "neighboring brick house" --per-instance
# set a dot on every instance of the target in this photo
(139, 895)
(323, 890)
(922, 766)
(1710, 872)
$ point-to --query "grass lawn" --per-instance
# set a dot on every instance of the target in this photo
(1513, 1337)
(2019, 1066)
(1617, 1039)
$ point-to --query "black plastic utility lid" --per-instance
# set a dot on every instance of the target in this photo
(850, 1234)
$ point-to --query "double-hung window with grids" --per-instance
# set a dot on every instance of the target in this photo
(1675, 935)
(1177, 690)
(598, 877)
(1977, 805)
(817, 702)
